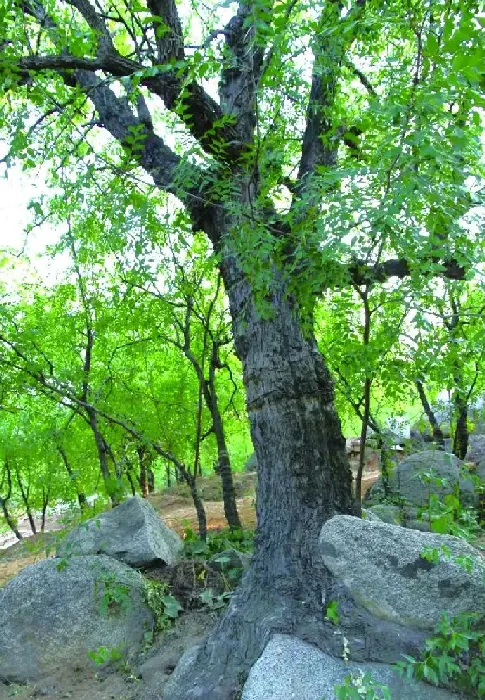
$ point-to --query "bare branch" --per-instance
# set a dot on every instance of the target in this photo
(362, 77)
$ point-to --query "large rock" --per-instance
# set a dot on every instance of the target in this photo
(476, 449)
(422, 474)
(383, 569)
(132, 533)
(480, 471)
(53, 618)
(290, 668)
(385, 512)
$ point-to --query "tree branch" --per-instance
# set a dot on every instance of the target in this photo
(361, 273)
(202, 114)
(322, 136)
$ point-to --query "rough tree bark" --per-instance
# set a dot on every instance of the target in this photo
(303, 479)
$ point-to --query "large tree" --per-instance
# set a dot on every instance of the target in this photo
(339, 130)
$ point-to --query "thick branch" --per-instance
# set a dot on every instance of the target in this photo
(114, 64)
(240, 76)
(202, 114)
(362, 273)
(169, 36)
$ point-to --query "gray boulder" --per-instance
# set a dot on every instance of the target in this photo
(476, 449)
(290, 668)
(387, 513)
(252, 464)
(52, 619)
(132, 533)
(383, 569)
(422, 474)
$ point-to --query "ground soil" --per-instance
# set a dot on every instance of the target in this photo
(139, 681)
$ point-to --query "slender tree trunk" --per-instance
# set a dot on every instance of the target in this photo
(460, 438)
(142, 458)
(45, 503)
(209, 392)
(131, 480)
(191, 481)
(438, 436)
(364, 295)
(224, 464)
(168, 474)
(25, 498)
(304, 479)
(151, 480)
(102, 449)
(81, 496)
(363, 444)
(9, 519)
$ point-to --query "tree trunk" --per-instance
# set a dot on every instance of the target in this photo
(142, 452)
(45, 503)
(224, 464)
(147, 477)
(131, 481)
(304, 478)
(9, 519)
(151, 480)
(191, 482)
(25, 498)
(209, 392)
(168, 475)
(460, 438)
(102, 449)
(363, 444)
(438, 436)
(81, 497)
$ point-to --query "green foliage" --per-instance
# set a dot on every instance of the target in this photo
(361, 687)
(106, 655)
(449, 516)
(332, 612)
(113, 596)
(214, 601)
(164, 606)
(454, 656)
(216, 543)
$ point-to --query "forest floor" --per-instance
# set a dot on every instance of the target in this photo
(177, 511)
